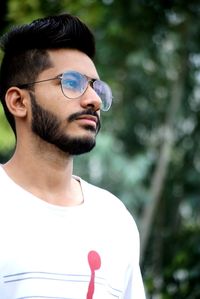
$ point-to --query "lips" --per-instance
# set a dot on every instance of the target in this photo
(89, 122)
(89, 118)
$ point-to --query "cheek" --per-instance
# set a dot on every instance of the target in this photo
(53, 100)
(48, 95)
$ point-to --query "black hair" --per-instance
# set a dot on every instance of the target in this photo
(25, 49)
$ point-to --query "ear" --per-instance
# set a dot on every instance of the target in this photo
(16, 101)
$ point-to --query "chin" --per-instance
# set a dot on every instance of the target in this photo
(85, 134)
(76, 145)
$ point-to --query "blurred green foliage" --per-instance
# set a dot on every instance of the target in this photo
(7, 140)
(149, 52)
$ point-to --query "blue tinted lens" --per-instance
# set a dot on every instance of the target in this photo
(74, 84)
(104, 92)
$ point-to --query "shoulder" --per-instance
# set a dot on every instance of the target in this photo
(100, 195)
(4, 180)
(111, 205)
(2, 172)
(113, 215)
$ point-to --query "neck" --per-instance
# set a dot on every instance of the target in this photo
(46, 174)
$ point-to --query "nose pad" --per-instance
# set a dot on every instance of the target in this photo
(91, 99)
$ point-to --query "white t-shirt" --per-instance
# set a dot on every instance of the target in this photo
(90, 251)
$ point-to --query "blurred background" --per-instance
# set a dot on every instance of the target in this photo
(148, 151)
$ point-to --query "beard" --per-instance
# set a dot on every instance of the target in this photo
(47, 126)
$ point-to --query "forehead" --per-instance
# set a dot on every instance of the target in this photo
(69, 59)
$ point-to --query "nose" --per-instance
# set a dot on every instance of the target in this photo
(90, 99)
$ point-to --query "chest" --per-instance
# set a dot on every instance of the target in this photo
(46, 256)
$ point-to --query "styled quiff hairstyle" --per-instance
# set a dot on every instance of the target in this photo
(26, 50)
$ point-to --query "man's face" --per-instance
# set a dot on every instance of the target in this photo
(48, 127)
(69, 124)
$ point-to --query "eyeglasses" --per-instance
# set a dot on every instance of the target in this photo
(74, 85)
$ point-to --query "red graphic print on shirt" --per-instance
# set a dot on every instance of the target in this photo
(94, 261)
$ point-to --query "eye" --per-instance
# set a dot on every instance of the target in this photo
(74, 82)
(71, 83)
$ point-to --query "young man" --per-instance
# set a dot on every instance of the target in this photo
(60, 236)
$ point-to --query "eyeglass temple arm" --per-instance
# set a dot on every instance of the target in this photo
(24, 85)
